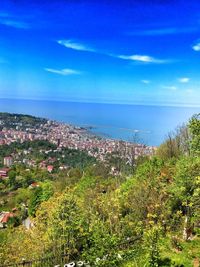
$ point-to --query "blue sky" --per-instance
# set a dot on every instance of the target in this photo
(135, 52)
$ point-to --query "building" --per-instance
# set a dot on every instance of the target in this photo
(50, 168)
(4, 218)
(4, 172)
(34, 185)
(8, 161)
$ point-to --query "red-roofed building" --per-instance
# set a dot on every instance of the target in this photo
(4, 218)
(34, 185)
(49, 168)
(4, 172)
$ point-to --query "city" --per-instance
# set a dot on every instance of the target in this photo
(73, 137)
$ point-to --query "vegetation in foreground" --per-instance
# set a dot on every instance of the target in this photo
(148, 217)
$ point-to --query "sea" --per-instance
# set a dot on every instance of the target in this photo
(135, 123)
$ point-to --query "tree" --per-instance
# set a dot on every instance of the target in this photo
(185, 194)
(152, 236)
(40, 194)
(194, 127)
(35, 200)
(176, 144)
(12, 178)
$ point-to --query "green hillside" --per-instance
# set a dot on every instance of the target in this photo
(148, 217)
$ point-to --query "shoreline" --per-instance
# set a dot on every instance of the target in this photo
(86, 127)
(21, 127)
(118, 122)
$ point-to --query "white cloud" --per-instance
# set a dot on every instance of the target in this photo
(142, 58)
(196, 47)
(76, 46)
(145, 81)
(64, 72)
(184, 80)
(164, 31)
(14, 23)
(173, 88)
(139, 58)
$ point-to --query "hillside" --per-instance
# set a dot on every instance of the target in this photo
(148, 215)
(20, 120)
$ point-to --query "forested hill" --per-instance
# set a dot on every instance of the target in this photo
(12, 120)
(149, 216)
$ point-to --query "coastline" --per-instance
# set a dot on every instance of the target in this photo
(119, 122)
(67, 135)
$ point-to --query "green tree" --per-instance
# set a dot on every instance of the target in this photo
(35, 200)
(185, 192)
(194, 127)
(12, 178)
(152, 237)
(40, 194)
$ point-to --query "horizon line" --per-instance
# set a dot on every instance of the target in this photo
(106, 103)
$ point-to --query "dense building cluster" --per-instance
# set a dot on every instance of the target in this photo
(65, 135)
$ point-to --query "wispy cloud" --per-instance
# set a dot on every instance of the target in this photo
(12, 21)
(139, 58)
(145, 81)
(64, 72)
(76, 46)
(164, 31)
(173, 88)
(196, 47)
(184, 80)
(14, 24)
(143, 58)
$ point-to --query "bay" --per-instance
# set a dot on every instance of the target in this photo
(146, 124)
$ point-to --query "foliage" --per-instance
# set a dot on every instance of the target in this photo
(12, 178)
(146, 216)
(194, 127)
(20, 120)
(39, 194)
(176, 144)
(151, 244)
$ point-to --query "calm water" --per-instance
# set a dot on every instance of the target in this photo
(152, 123)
